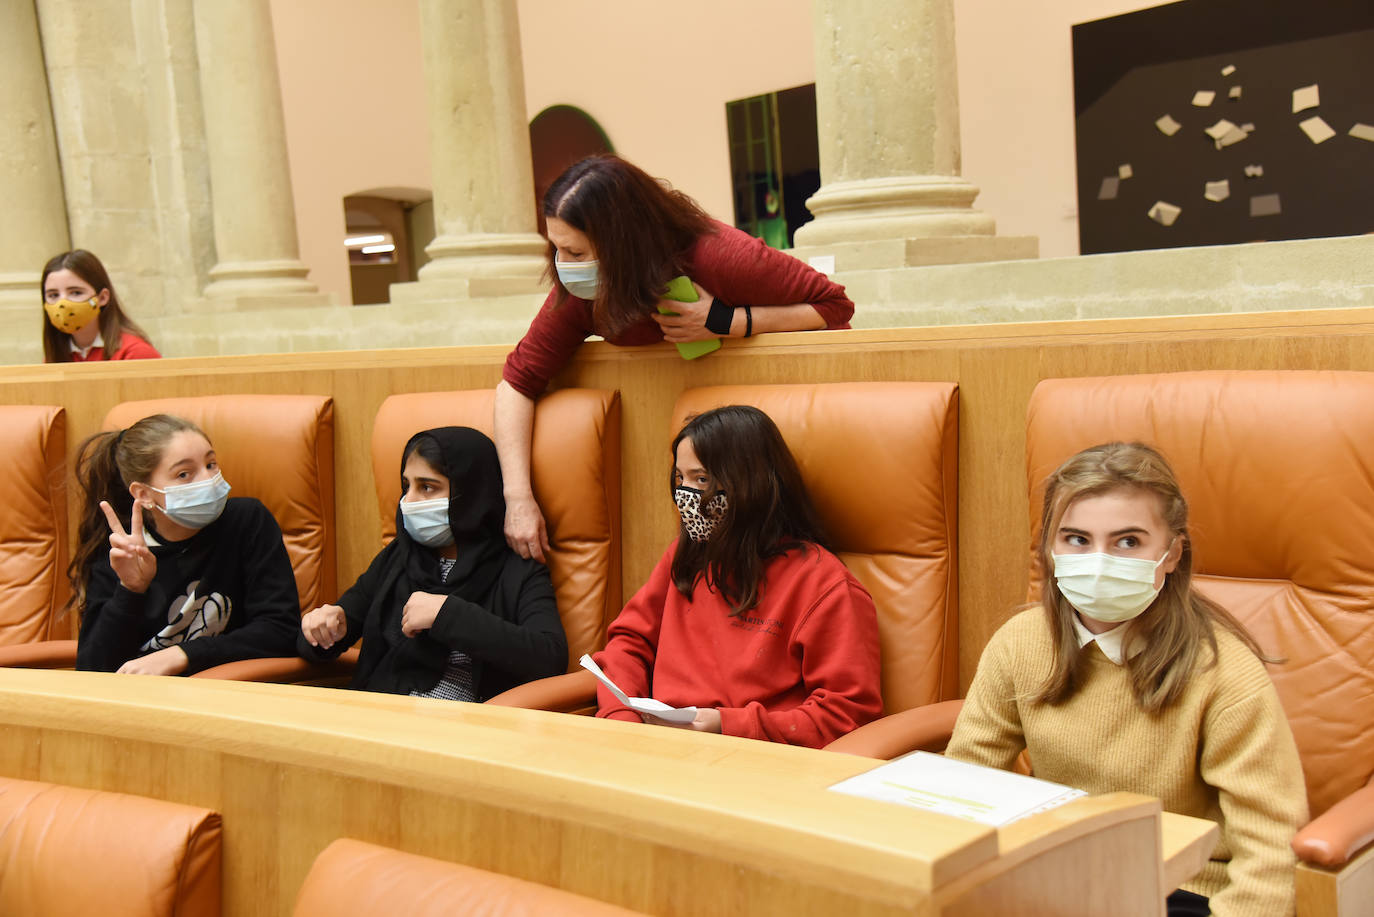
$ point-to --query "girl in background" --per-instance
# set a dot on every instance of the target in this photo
(748, 616)
(1126, 678)
(447, 609)
(172, 575)
(83, 321)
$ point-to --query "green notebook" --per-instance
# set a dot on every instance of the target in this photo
(680, 289)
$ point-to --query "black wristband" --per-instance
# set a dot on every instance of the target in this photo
(719, 319)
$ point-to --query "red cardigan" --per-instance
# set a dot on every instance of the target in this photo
(802, 667)
(728, 263)
(131, 347)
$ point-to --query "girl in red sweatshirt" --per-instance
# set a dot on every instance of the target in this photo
(747, 616)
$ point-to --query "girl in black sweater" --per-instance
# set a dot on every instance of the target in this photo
(172, 576)
(447, 609)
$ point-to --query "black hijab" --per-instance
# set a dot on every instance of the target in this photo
(476, 514)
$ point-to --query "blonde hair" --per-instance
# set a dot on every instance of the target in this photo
(1179, 623)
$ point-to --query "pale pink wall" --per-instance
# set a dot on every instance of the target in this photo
(656, 76)
(353, 92)
(1016, 111)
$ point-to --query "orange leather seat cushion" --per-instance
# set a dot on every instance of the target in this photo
(279, 449)
(880, 460)
(1278, 471)
(33, 522)
(575, 467)
(353, 879)
(65, 850)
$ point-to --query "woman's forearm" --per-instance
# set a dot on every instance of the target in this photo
(514, 429)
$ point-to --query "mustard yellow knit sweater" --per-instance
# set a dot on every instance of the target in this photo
(1223, 752)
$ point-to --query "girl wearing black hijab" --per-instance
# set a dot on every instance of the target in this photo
(447, 609)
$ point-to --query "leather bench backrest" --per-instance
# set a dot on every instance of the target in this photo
(33, 522)
(65, 850)
(575, 470)
(880, 460)
(1278, 471)
(279, 449)
(353, 879)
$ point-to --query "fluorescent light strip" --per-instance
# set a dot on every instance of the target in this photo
(364, 240)
(377, 249)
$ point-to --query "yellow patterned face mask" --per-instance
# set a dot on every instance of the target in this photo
(70, 317)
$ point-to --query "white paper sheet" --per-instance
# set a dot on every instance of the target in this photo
(1254, 170)
(1220, 129)
(1234, 93)
(1317, 130)
(1228, 70)
(1217, 190)
(1107, 191)
(1362, 132)
(1167, 125)
(1265, 205)
(969, 791)
(1124, 171)
(1164, 213)
(640, 704)
(1306, 97)
(1203, 97)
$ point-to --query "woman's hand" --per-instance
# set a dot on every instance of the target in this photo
(420, 611)
(690, 322)
(324, 626)
(707, 720)
(130, 558)
(171, 661)
(525, 531)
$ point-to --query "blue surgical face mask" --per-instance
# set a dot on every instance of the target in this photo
(427, 522)
(578, 277)
(197, 504)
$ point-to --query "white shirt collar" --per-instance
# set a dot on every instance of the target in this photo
(86, 351)
(1110, 643)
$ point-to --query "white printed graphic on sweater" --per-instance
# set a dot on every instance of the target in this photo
(191, 616)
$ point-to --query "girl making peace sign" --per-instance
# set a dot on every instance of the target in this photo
(195, 578)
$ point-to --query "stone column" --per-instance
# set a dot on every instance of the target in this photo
(485, 240)
(887, 116)
(34, 225)
(257, 253)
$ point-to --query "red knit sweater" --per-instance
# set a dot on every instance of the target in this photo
(801, 667)
(131, 347)
(738, 268)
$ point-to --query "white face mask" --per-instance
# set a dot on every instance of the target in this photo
(427, 522)
(197, 504)
(1106, 587)
(578, 277)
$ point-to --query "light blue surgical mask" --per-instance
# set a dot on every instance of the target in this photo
(578, 277)
(427, 522)
(197, 504)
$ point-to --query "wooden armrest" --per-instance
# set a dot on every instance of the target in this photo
(925, 728)
(286, 670)
(45, 654)
(570, 693)
(1338, 834)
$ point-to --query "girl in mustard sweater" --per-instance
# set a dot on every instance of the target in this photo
(1126, 678)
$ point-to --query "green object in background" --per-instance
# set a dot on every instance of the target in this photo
(680, 289)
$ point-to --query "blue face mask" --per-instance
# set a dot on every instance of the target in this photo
(427, 522)
(578, 277)
(197, 504)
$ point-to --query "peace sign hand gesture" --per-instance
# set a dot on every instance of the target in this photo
(130, 558)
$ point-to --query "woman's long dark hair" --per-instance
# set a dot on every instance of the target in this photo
(113, 322)
(106, 464)
(768, 509)
(641, 230)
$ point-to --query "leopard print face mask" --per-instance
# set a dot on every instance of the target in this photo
(699, 518)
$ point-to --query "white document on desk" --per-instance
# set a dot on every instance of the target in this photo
(968, 791)
(640, 704)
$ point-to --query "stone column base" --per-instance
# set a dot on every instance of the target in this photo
(259, 284)
(882, 254)
(904, 221)
(478, 266)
